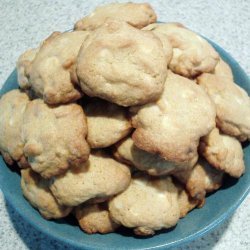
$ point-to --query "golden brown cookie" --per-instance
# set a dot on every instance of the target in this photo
(126, 151)
(186, 202)
(12, 108)
(202, 179)
(36, 191)
(54, 137)
(23, 63)
(147, 205)
(192, 55)
(95, 219)
(107, 123)
(51, 75)
(173, 126)
(136, 14)
(100, 177)
(223, 152)
(167, 47)
(122, 64)
(232, 105)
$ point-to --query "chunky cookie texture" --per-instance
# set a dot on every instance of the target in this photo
(50, 70)
(12, 107)
(185, 200)
(200, 180)
(223, 152)
(107, 123)
(95, 219)
(54, 137)
(23, 64)
(136, 14)
(173, 125)
(122, 64)
(153, 164)
(232, 105)
(222, 69)
(147, 205)
(192, 55)
(36, 191)
(167, 47)
(100, 177)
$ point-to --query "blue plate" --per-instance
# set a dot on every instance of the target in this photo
(198, 222)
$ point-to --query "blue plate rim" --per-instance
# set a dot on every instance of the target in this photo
(177, 243)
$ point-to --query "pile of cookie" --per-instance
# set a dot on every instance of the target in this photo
(123, 122)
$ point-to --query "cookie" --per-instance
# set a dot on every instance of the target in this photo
(223, 152)
(232, 105)
(122, 64)
(173, 126)
(12, 108)
(95, 219)
(167, 47)
(107, 123)
(147, 205)
(51, 75)
(126, 151)
(54, 137)
(186, 202)
(138, 15)
(192, 55)
(223, 69)
(100, 177)
(23, 64)
(202, 179)
(36, 191)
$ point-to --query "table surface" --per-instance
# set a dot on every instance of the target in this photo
(25, 23)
